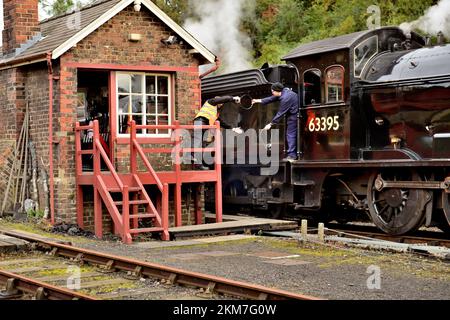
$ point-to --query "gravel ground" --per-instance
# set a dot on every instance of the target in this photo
(323, 271)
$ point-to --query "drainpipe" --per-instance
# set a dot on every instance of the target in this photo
(50, 137)
(213, 69)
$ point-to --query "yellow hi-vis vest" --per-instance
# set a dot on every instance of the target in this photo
(209, 112)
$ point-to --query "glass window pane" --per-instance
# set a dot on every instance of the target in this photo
(151, 104)
(335, 84)
(151, 85)
(123, 82)
(139, 121)
(163, 105)
(123, 124)
(312, 85)
(163, 85)
(124, 102)
(164, 121)
(151, 121)
(363, 53)
(137, 104)
(136, 83)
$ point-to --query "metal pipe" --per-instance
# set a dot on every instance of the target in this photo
(213, 69)
(50, 137)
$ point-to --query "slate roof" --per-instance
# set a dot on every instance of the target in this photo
(56, 31)
(326, 45)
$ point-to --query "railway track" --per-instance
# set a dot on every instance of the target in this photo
(18, 287)
(143, 279)
(437, 239)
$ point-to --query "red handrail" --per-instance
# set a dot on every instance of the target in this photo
(100, 151)
(135, 145)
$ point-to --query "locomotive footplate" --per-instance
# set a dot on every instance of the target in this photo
(381, 184)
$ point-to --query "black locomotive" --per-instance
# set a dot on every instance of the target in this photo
(374, 132)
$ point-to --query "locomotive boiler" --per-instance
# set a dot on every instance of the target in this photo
(374, 132)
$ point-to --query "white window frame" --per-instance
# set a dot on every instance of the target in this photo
(144, 95)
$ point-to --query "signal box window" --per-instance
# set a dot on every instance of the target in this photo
(335, 84)
(145, 98)
(312, 84)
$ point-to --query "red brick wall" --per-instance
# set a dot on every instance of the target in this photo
(110, 45)
(12, 103)
(21, 23)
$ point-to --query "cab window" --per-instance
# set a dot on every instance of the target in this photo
(312, 80)
(335, 84)
(363, 53)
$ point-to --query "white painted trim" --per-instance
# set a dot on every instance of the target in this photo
(145, 95)
(66, 46)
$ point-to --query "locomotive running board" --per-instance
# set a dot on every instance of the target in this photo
(381, 184)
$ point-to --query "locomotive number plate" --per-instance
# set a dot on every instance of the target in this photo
(324, 124)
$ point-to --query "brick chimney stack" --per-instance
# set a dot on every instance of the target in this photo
(21, 23)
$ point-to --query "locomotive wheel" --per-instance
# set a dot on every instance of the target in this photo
(397, 211)
(276, 211)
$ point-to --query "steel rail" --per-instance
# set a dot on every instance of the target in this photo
(16, 285)
(172, 275)
(408, 239)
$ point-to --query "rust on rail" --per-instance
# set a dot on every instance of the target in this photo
(173, 275)
(16, 285)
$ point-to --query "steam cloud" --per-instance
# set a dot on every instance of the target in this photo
(216, 24)
(435, 19)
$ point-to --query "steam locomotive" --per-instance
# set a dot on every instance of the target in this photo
(374, 132)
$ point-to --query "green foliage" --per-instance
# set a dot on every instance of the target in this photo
(35, 214)
(57, 7)
(276, 27)
(176, 9)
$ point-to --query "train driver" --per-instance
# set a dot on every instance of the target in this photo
(288, 107)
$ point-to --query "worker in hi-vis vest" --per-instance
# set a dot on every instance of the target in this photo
(207, 116)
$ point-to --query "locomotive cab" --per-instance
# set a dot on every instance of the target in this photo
(374, 133)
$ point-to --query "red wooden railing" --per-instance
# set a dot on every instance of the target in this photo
(104, 187)
(177, 150)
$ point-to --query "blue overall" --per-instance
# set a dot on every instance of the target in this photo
(289, 108)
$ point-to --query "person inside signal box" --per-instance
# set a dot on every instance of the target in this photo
(288, 107)
(207, 116)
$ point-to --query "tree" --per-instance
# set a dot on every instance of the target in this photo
(58, 7)
(176, 9)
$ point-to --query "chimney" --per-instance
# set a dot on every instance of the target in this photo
(21, 23)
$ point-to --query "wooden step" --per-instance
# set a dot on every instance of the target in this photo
(130, 189)
(143, 216)
(148, 230)
(132, 202)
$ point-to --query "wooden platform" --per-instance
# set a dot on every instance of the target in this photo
(232, 224)
(9, 244)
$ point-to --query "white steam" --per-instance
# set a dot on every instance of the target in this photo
(435, 19)
(217, 25)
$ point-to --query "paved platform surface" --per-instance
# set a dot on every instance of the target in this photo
(326, 271)
(232, 224)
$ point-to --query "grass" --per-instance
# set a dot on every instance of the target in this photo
(39, 228)
(400, 264)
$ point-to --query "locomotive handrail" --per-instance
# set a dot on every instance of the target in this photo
(362, 84)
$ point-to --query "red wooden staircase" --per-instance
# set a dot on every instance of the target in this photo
(125, 196)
